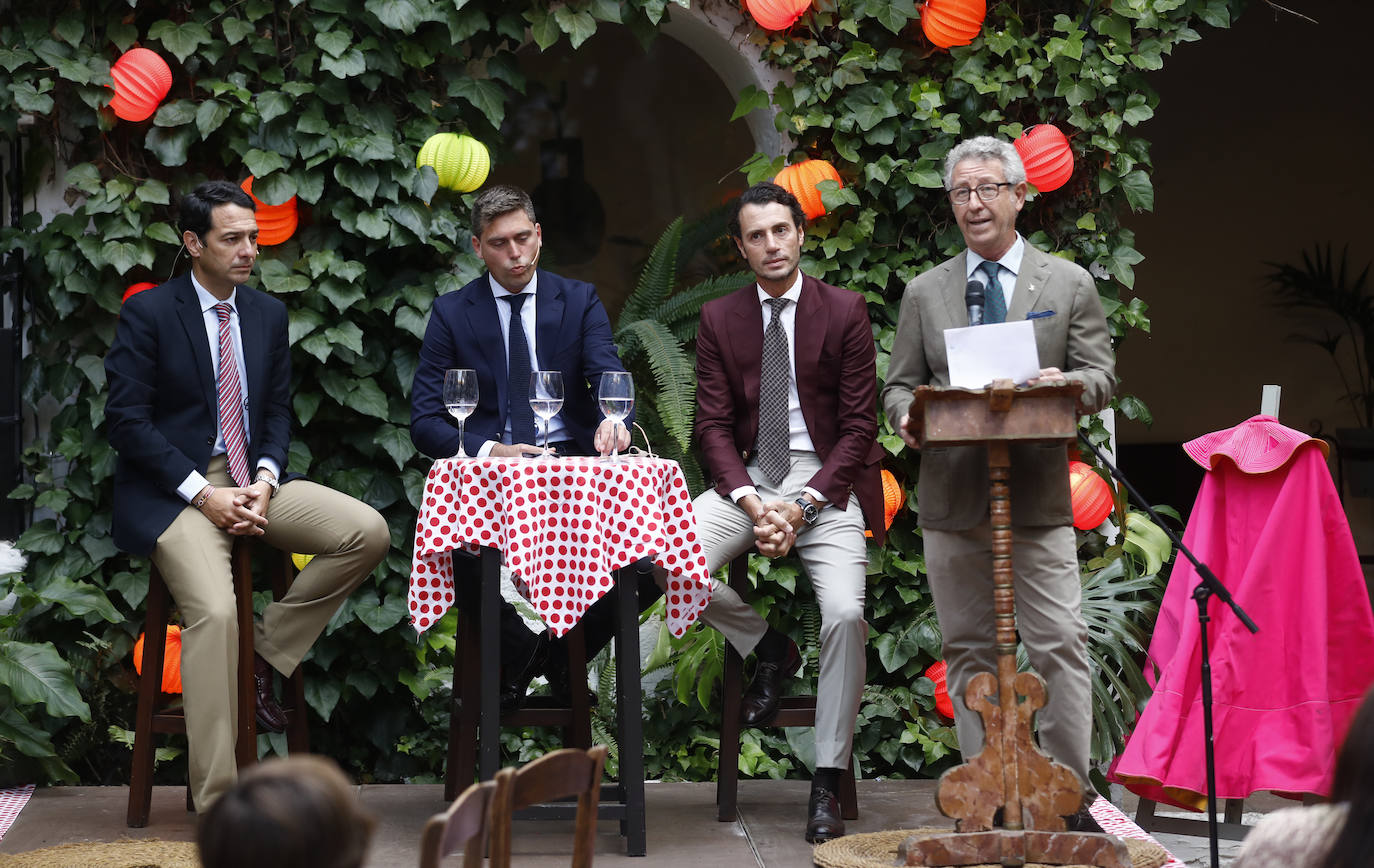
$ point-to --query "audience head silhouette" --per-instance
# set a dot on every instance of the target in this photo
(298, 812)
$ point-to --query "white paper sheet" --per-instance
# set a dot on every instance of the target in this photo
(980, 354)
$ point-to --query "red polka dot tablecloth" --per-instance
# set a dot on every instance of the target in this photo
(12, 801)
(1113, 822)
(565, 525)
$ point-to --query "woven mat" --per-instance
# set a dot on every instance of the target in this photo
(129, 853)
(879, 850)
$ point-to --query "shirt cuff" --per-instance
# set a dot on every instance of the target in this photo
(821, 502)
(271, 466)
(742, 492)
(192, 485)
(486, 449)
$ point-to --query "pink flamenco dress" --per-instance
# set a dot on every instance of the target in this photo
(1269, 523)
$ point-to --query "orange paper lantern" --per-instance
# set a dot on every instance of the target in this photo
(894, 498)
(141, 79)
(1047, 156)
(135, 289)
(171, 659)
(1090, 495)
(461, 162)
(943, 704)
(777, 14)
(800, 179)
(276, 223)
(948, 23)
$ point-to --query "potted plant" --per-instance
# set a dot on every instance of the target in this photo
(1331, 287)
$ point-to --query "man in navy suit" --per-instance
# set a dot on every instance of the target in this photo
(199, 411)
(554, 324)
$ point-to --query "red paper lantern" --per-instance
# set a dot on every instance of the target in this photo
(948, 23)
(136, 289)
(1047, 156)
(777, 14)
(800, 179)
(943, 704)
(171, 659)
(141, 79)
(276, 223)
(1090, 495)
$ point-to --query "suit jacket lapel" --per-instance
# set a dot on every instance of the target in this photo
(746, 341)
(809, 326)
(955, 281)
(548, 320)
(484, 327)
(193, 321)
(1030, 284)
(252, 337)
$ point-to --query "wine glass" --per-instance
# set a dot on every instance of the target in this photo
(460, 398)
(617, 398)
(546, 398)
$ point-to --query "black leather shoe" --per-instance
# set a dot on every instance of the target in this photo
(760, 702)
(1082, 822)
(516, 680)
(269, 714)
(824, 821)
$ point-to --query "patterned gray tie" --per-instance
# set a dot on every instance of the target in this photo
(775, 378)
(996, 309)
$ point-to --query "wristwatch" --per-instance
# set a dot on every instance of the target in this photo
(809, 510)
(264, 476)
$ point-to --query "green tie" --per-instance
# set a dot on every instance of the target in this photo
(995, 305)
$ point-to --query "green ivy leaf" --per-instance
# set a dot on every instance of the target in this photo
(11, 58)
(210, 115)
(27, 97)
(123, 255)
(69, 29)
(350, 64)
(260, 164)
(367, 398)
(235, 29)
(543, 28)
(42, 537)
(1140, 193)
(380, 618)
(750, 98)
(162, 232)
(399, 15)
(182, 40)
(334, 42)
(175, 113)
(272, 104)
(373, 224)
(346, 334)
(274, 189)
(360, 180)
(169, 145)
(395, 441)
(154, 192)
(485, 95)
(579, 25)
(893, 14)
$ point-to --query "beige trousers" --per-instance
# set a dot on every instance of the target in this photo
(1048, 617)
(835, 555)
(348, 538)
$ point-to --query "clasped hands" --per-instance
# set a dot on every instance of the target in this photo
(775, 526)
(239, 511)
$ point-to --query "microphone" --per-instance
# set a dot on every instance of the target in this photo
(973, 299)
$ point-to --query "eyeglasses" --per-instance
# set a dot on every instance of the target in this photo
(986, 192)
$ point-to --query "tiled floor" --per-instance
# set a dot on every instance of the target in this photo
(682, 827)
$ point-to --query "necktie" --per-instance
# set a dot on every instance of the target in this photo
(996, 301)
(775, 376)
(231, 401)
(518, 372)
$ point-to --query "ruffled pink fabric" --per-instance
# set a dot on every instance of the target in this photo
(1258, 445)
(1283, 698)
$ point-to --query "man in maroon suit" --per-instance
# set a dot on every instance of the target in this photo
(786, 420)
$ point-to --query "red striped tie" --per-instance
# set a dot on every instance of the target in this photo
(231, 401)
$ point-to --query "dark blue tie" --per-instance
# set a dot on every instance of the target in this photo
(996, 309)
(518, 371)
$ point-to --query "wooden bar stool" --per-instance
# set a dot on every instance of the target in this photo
(792, 711)
(153, 715)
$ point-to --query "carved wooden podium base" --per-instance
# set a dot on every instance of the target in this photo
(1034, 793)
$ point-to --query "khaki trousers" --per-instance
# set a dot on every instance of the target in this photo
(835, 555)
(348, 538)
(1048, 616)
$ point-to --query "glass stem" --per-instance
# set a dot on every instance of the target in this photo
(462, 453)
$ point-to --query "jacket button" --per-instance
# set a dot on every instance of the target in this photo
(210, 441)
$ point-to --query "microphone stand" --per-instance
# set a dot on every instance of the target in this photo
(1208, 585)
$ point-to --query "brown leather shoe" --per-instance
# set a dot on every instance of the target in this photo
(760, 702)
(1082, 821)
(270, 716)
(824, 821)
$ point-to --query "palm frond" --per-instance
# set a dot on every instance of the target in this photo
(657, 279)
(681, 311)
(675, 376)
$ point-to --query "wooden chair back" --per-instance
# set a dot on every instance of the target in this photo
(556, 775)
(464, 825)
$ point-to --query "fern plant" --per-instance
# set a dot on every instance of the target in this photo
(654, 333)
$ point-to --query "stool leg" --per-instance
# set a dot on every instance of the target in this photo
(246, 745)
(149, 686)
(727, 772)
(579, 733)
(298, 725)
(631, 710)
(462, 728)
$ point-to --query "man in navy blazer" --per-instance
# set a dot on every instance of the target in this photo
(560, 325)
(199, 412)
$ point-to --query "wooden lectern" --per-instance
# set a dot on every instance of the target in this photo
(1010, 772)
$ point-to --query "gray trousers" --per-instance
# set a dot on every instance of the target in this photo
(1048, 616)
(348, 539)
(835, 555)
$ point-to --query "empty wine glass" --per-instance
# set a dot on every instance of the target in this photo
(617, 398)
(460, 398)
(546, 398)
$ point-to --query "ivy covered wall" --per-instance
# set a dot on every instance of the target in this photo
(330, 101)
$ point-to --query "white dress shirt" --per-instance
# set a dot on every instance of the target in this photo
(195, 481)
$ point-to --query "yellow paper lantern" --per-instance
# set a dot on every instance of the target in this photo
(461, 162)
(301, 560)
